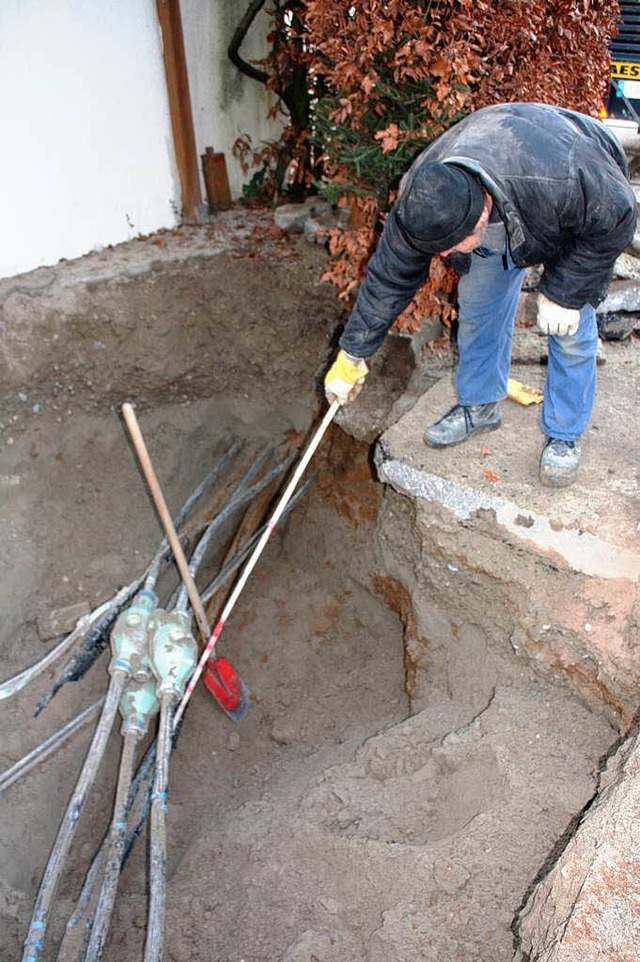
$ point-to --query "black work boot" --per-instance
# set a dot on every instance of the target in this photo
(559, 462)
(461, 422)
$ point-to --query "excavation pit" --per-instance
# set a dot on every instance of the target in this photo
(406, 771)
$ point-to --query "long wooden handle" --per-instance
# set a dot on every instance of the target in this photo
(167, 523)
(248, 568)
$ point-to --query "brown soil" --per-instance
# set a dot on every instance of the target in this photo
(337, 821)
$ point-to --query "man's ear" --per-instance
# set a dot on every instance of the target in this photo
(486, 210)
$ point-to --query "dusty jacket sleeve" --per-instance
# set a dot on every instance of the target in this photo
(395, 272)
(602, 224)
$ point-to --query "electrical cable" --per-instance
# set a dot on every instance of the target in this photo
(17, 682)
(129, 660)
(99, 621)
(234, 563)
(34, 940)
(48, 746)
(113, 860)
(141, 791)
(241, 496)
(80, 923)
(158, 844)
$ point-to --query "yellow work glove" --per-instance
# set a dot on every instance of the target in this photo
(345, 378)
(557, 320)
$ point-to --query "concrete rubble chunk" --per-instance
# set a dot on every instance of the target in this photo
(624, 295)
(393, 370)
(617, 327)
(291, 218)
(61, 621)
(317, 226)
(588, 906)
(628, 265)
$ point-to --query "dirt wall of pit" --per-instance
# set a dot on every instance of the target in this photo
(406, 771)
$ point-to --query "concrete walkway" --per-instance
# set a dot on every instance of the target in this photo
(593, 526)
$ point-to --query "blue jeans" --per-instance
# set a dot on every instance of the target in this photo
(488, 299)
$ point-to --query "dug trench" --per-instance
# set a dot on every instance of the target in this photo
(388, 797)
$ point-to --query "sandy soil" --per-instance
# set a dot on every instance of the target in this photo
(338, 821)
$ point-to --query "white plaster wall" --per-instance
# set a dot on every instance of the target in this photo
(226, 104)
(87, 153)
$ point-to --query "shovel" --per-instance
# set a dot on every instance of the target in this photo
(232, 694)
(248, 568)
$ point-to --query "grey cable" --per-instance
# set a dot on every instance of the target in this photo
(47, 747)
(34, 940)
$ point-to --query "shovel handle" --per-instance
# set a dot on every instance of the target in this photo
(161, 505)
(249, 566)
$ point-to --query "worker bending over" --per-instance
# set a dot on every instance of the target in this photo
(508, 187)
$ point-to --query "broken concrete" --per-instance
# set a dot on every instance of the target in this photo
(61, 621)
(588, 904)
(569, 560)
(616, 327)
(314, 218)
(624, 295)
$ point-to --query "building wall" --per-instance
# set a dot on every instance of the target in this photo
(226, 103)
(87, 156)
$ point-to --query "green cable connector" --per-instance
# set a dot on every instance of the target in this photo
(129, 637)
(138, 705)
(172, 650)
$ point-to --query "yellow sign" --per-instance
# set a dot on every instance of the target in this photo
(625, 71)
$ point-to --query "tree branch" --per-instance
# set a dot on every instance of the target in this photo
(233, 50)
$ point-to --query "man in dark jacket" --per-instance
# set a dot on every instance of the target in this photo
(509, 186)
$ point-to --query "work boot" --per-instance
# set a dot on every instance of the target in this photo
(461, 422)
(559, 462)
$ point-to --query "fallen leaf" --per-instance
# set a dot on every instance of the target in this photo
(389, 137)
(439, 67)
(490, 476)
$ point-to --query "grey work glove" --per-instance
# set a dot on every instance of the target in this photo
(556, 320)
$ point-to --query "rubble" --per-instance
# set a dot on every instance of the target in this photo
(313, 218)
(588, 903)
(61, 621)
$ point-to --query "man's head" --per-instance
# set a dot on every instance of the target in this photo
(443, 209)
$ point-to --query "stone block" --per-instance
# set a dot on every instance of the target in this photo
(291, 218)
(617, 327)
(61, 621)
(624, 295)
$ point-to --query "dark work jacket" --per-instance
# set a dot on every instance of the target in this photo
(559, 183)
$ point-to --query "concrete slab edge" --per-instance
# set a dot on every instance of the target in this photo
(583, 552)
